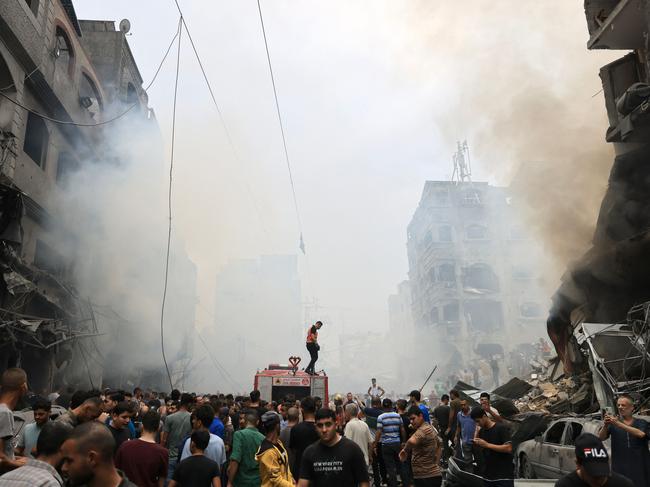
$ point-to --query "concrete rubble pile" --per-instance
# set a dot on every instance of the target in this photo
(609, 359)
(558, 395)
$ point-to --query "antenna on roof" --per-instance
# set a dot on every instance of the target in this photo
(462, 164)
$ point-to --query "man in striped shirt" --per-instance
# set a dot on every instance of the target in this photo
(390, 432)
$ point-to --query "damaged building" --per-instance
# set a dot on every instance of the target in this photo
(77, 72)
(610, 283)
(472, 270)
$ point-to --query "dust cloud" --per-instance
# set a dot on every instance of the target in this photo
(374, 100)
(526, 94)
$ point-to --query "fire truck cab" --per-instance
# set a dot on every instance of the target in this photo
(276, 381)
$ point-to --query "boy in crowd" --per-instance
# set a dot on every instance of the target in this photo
(119, 423)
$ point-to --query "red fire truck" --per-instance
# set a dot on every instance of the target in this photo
(276, 381)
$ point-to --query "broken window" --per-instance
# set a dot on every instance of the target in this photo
(450, 312)
(132, 96)
(48, 259)
(63, 51)
(573, 431)
(484, 315)
(471, 197)
(89, 97)
(36, 139)
(480, 278)
(432, 274)
(554, 434)
(427, 239)
(434, 316)
(33, 6)
(447, 273)
(531, 310)
(445, 233)
(66, 165)
(7, 109)
(476, 232)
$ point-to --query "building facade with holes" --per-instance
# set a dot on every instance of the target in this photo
(51, 65)
(473, 276)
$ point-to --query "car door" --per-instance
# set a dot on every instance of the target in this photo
(567, 450)
(548, 465)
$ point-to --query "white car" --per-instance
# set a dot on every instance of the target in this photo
(552, 454)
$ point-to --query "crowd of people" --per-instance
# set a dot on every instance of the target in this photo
(115, 438)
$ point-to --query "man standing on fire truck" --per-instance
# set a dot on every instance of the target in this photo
(313, 347)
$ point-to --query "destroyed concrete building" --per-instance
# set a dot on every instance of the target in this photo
(78, 72)
(614, 274)
(472, 270)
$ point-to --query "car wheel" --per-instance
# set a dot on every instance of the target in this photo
(526, 470)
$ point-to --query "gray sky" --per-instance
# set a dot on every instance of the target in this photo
(374, 96)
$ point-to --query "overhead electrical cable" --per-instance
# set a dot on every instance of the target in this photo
(11, 85)
(216, 363)
(95, 124)
(221, 119)
(169, 207)
(284, 139)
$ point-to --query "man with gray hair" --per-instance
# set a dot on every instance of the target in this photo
(358, 431)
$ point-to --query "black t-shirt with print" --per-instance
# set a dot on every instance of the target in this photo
(341, 465)
(572, 480)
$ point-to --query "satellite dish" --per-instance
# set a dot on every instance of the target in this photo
(125, 26)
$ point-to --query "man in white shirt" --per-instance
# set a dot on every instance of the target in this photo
(202, 418)
(358, 431)
(375, 391)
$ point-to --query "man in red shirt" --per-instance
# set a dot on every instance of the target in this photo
(143, 461)
(313, 347)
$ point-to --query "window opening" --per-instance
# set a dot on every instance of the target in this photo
(36, 139)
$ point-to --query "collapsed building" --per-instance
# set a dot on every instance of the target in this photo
(54, 66)
(613, 277)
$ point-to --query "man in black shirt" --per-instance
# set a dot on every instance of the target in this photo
(197, 470)
(592, 466)
(495, 443)
(334, 460)
(441, 423)
(303, 434)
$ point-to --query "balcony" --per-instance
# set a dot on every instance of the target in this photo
(622, 29)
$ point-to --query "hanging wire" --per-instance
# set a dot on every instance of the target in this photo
(223, 121)
(95, 124)
(284, 139)
(11, 85)
(216, 363)
(169, 203)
